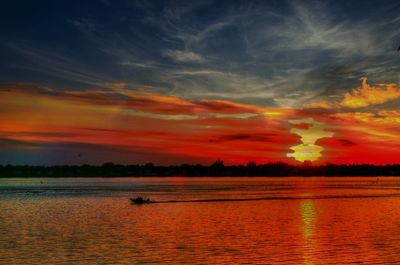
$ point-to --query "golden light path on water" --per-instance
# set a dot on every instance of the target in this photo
(308, 215)
(308, 150)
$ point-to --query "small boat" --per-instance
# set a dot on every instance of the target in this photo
(140, 200)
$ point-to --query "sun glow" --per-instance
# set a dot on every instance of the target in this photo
(313, 131)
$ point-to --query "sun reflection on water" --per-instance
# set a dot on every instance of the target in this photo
(308, 214)
(308, 217)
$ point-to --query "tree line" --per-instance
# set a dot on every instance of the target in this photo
(218, 168)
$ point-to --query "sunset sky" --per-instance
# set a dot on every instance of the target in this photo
(175, 82)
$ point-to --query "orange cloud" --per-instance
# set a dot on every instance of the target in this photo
(382, 117)
(370, 95)
(224, 106)
(146, 104)
(318, 105)
(166, 125)
(395, 114)
(355, 116)
(172, 127)
(359, 146)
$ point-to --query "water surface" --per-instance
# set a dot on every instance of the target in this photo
(284, 221)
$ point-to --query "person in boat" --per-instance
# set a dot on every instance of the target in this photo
(140, 200)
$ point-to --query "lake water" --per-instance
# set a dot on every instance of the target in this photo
(286, 221)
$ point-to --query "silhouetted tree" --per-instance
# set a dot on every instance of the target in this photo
(216, 169)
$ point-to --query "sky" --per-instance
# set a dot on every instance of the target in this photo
(173, 82)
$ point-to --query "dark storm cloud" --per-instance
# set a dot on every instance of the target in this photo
(258, 137)
(6, 144)
(40, 134)
(346, 142)
(272, 53)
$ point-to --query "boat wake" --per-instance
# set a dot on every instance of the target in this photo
(283, 198)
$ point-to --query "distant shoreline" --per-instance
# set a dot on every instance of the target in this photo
(217, 169)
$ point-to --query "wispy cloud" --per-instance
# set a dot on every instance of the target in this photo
(84, 25)
(183, 56)
(136, 102)
(288, 57)
(114, 85)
